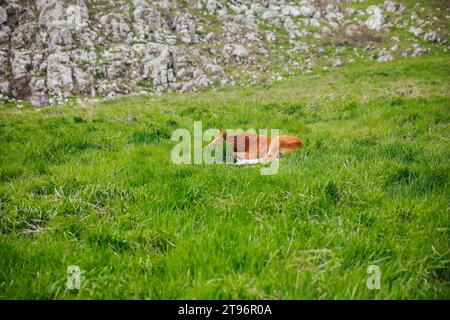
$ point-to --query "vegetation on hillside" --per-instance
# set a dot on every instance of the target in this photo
(93, 186)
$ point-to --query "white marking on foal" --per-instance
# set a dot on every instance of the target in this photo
(247, 162)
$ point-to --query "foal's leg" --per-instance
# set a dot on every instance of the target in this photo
(247, 162)
(241, 159)
(269, 157)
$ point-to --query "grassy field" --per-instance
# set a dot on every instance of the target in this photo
(94, 186)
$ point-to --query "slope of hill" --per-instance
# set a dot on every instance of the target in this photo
(51, 50)
(94, 186)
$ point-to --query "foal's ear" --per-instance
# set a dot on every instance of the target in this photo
(222, 133)
(219, 133)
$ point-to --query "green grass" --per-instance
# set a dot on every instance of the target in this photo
(94, 186)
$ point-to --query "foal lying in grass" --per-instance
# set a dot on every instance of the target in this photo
(252, 148)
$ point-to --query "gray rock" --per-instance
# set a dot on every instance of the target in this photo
(77, 16)
(350, 11)
(314, 23)
(270, 15)
(209, 37)
(115, 25)
(270, 36)
(4, 57)
(431, 36)
(59, 34)
(50, 11)
(332, 14)
(290, 11)
(3, 15)
(416, 31)
(146, 18)
(4, 86)
(376, 18)
(213, 68)
(240, 52)
(38, 85)
(337, 63)
(202, 81)
(38, 100)
(22, 36)
(162, 68)
(83, 80)
(390, 6)
(111, 95)
(21, 62)
(4, 34)
(419, 50)
(384, 56)
(307, 11)
(326, 30)
(211, 5)
(59, 74)
(289, 24)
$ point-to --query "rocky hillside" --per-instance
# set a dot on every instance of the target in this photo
(51, 50)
